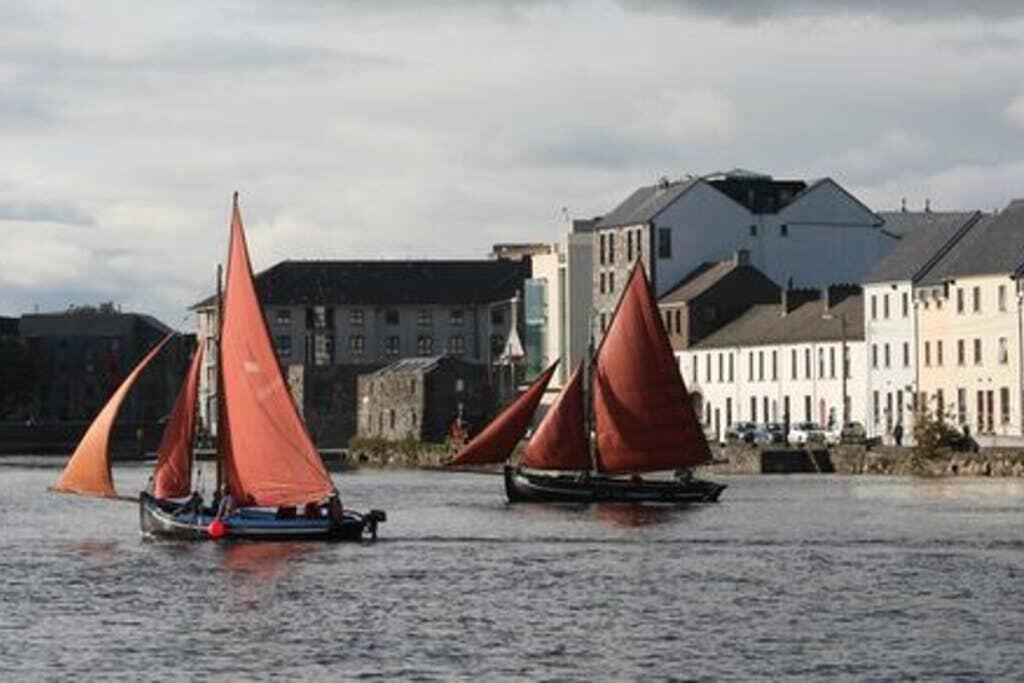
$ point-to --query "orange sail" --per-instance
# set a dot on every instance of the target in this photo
(644, 418)
(88, 471)
(172, 477)
(270, 459)
(497, 440)
(560, 442)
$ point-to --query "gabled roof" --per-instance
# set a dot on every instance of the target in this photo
(925, 237)
(995, 245)
(764, 325)
(697, 281)
(418, 365)
(646, 203)
(382, 283)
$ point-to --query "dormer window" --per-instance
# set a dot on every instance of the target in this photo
(753, 230)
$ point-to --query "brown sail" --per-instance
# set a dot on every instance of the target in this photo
(172, 477)
(497, 440)
(560, 442)
(88, 470)
(269, 456)
(644, 418)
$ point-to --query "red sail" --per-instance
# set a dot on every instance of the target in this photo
(560, 442)
(497, 440)
(645, 420)
(172, 477)
(88, 471)
(270, 459)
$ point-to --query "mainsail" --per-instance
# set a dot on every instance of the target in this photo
(172, 477)
(560, 442)
(88, 470)
(643, 414)
(495, 443)
(270, 459)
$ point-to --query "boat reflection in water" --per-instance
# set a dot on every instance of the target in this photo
(263, 561)
(637, 514)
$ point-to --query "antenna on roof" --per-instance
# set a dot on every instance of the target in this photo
(927, 205)
(903, 204)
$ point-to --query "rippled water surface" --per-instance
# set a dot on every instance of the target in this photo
(810, 577)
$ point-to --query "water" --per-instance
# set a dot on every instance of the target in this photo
(809, 577)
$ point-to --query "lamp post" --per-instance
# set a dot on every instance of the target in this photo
(845, 363)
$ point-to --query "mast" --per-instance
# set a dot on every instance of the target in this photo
(588, 396)
(219, 385)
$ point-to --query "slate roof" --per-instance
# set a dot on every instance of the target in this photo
(646, 203)
(418, 365)
(764, 324)
(388, 282)
(925, 237)
(995, 245)
(102, 324)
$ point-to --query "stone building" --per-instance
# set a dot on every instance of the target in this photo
(798, 234)
(420, 397)
(364, 314)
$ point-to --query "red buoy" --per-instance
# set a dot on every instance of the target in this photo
(217, 529)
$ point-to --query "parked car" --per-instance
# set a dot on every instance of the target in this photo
(853, 433)
(741, 432)
(803, 433)
(776, 432)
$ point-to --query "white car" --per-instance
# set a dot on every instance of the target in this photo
(803, 433)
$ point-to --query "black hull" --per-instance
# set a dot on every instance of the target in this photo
(167, 520)
(532, 487)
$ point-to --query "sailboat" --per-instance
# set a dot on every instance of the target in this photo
(642, 417)
(272, 483)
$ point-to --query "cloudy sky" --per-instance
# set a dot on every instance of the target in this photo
(413, 129)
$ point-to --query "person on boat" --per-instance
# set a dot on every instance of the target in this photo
(312, 510)
(334, 509)
(684, 475)
(635, 478)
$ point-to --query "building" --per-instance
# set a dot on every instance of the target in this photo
(969, 331)
(890, 316)
(322, 314)
(518, 251)
(557, 303)
(798, 234)
(82, 355)
(419, 398)
(712, 295)
(782, 361)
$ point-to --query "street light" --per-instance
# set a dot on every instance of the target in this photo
(846, 368)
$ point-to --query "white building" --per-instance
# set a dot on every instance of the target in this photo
(779, 360)
(799, 234)
(890, 317)
(559, 301)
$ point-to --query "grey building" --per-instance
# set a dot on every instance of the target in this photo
(420, 398)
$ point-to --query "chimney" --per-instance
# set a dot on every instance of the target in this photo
(828, 298)
(785, 302)
(741, 257)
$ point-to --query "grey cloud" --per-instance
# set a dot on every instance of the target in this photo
(753, 11)
(44, 213)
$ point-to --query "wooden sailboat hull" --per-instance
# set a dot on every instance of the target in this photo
(527, 487)
(166, 520)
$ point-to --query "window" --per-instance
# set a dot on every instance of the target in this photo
(906, 354)
(424, 317)
(807, 408)
(1002, 297)
(679, 322)
(906, 305)
(284, 316)
(283, 342)
(959, 300)
(497, 316)
(695, 358)
(961, 353)
(611, 282)
(601, 239)
(392, 346)
(721, 367)
(874, 307)
(611, 247)
(977, 352)
(319, 318)
(1004, 354)
(1004, 406)
(976, 300)
(807, 366)
(885, 349)
(356, 317)
(753, 409)
(760, 366)
(604, 322)
(927, 353)
(728, 411)
(667, 322)
(938, 352)
(775, 365)
(981, 411)
(753, 230)
(356, 345)
(846, 363)
(961, 406)
(497, 344)
(456, 317)
(874, 355)
(424, 345)
(783, 230)
(456, 345)
(391, 316)
(601, 280)
(629, 246)
(707, 368)
(832, 361)
(750, 366)
(990, 411)
(885, 306)
(792, 364)
(664, 242)
(639, 251)
(730, 366)
(940, 404)
(821, 363)
(323, 349)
